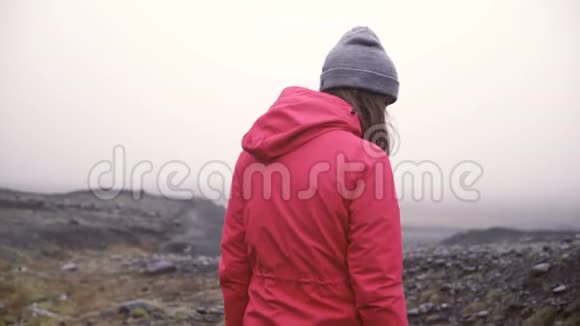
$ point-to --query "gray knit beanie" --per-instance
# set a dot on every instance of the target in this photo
(360, 61)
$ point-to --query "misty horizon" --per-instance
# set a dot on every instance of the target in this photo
(489, 82)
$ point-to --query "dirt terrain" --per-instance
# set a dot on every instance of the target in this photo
(72, 259)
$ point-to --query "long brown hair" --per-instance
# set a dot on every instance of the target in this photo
(371, 109)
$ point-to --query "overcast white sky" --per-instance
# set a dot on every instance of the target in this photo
(496, 82)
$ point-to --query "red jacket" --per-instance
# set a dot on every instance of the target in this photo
(312, 234)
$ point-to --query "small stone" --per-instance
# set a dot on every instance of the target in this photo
(444, 306)
(516, 307)
(540, 269)
(22, 269)
(70, 267)
(116, 257)
(425, 308)
(565, 246)
(447, 288)
(39, 312)
(88, 205)
(217, 309)
(469, 269)
(63, 297)
(161, 267)
(559, 289)
(440, 263)
(413, 312)
(565, 256)
(546, 248)
(2, 306)
(421, 277)
(436, 318)
(482, 314)
(153, 214)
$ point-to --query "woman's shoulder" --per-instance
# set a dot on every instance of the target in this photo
(355, 148)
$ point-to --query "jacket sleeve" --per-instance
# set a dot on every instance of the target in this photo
(234, 270)
(374, 255)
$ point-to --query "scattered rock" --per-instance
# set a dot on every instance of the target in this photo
(205, 261)
(436, 318)
(217, 309)
(421, 277)
(212, 314)
(425, 308)
(153, 214)
(70, 267)
(482, 314)
(573, 307)
(413, 312)
(440, 263)
(39, 312)
(540, 269)
(543, 316)
(516, 307)
(160, 267)
(565, 246)
(565, 256)
(87, 205)
(447, 288)
(138, 309)
(469, 269)
(559, 289)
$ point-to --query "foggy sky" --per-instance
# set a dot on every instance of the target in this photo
(495, 82)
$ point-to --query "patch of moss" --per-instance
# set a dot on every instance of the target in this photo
(58, 307)
(42, 322)
(543, 316)
(494, 295)
(181, 314)
(572, 320)
(139, 313)
(16, 296)
(429, 295)
(474, 307)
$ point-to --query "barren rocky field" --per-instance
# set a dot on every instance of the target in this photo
(72, 259)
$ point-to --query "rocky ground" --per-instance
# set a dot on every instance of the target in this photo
(75, 260)
(527, 281)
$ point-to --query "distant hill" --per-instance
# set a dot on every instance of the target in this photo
(505, 235)
(417, 235)
(31, 222)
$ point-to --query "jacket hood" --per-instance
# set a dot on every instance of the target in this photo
(296, 117)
